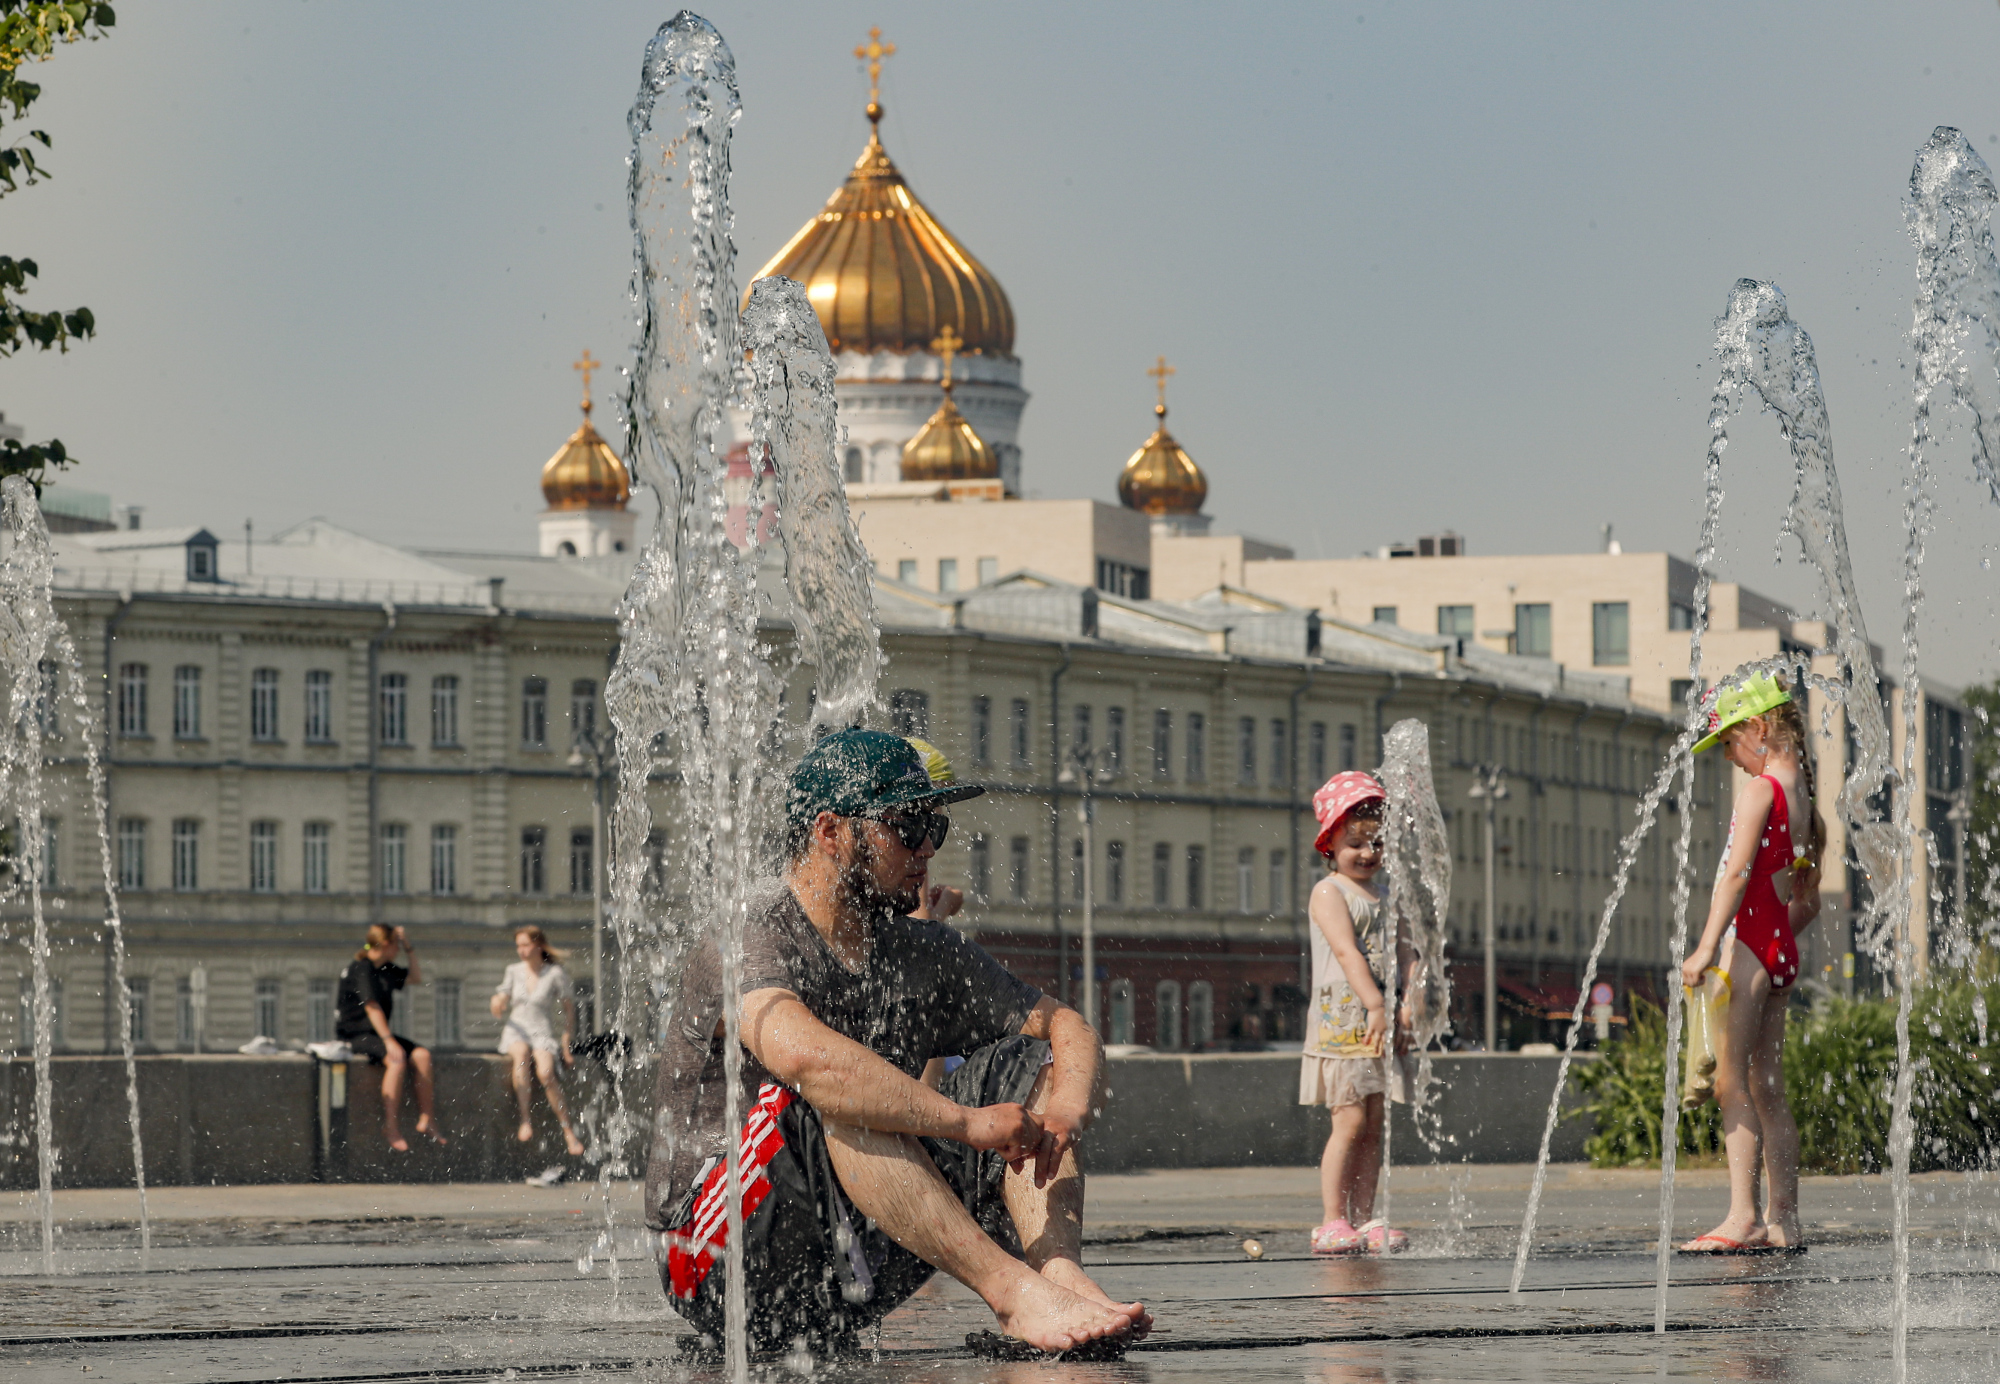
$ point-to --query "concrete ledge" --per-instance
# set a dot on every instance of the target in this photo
(230, 1120)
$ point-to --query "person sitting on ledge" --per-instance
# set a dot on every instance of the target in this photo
(857, 1180)
(366, 1001)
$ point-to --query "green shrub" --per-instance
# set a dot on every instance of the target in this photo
(1840, 1061)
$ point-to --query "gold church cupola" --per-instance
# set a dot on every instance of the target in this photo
(587, 490)
(1160, 478)
(948, 448)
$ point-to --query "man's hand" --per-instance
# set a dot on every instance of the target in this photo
(1061, 1132)
(941, 901)
(392, 1051)
(1011, 1131)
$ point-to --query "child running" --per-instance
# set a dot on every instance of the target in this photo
(1347, 1031)
(1769, 888)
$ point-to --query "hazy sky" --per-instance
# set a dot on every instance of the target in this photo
(1419, 266)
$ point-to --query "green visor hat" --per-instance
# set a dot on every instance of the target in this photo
(1730, 706)
(865, 773)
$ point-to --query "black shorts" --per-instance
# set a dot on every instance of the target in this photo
(815, 1267)
(371, 1046)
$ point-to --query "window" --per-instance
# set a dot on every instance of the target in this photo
(139, 1003)
(947, 574)
(1197, 747)
(1281, 889)
(1531, 631)
(201, 558)
(132, 699)
(48, 700)
(1163, 744)
(1316, 758)
(264, 704)
(582, 878)
(1080, 727)
(1246, 880)
(187, 702)
(131, 853)
(989, 570)
(319, 1010)
(535, 713)
(267, 1004)
(1281, 754)
(319, 707)
(1017, 733)
(1114, 872)
(654, 885)
(982, 869)
(1201, 1014)
(187, 853)
(1114, 741)
(1197, 861)
(534, 845)
(393, 709)
(1163, 887)
(851, 465)
(1611, 634)
(910, 713)
(444, 711)
(449, 999)
(50, 875)
(315, 857)
(1680, 617)
(395, 858)
(184, 1016)
(1246, 750)
(1121, 1011)
(583, 709)
(1076, 870)
(982, 730)
(906, 571)
(264, 857)
(1348, 747)
(1167, 1016)
(444, 859)
(1017, 869)
(1455, 621)
(1384, 615)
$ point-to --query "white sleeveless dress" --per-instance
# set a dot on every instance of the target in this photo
(534, 1007)
(1338, 1067)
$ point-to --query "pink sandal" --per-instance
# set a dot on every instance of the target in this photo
(1337, 1237)
(1381, 1238)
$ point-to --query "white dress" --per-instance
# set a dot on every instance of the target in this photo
(1339, 1066)
(534, 1013)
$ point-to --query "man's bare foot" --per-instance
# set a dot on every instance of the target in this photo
(526, 1133)
(1048, 1317)
(574, 1144)
(1068, 1275)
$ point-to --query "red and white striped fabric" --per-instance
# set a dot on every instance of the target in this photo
(693, 1249)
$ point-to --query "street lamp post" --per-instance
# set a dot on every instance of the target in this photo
(584, 751)
(1083, 769)
(1960, 816)
(1489, 786)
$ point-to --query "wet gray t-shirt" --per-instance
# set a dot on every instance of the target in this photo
(927, 992)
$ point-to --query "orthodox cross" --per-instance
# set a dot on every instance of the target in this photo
(874, 51)
(586, 365)
(946, 345)
(1160, 374)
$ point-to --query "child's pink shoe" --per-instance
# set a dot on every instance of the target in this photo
(1337, 1237)
(1381, 1238)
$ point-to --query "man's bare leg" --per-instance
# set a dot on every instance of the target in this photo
(1049, 1221)
(891, 1180)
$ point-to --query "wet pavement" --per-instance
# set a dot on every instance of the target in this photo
(495, 1282)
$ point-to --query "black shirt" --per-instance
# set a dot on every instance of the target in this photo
(361, 985)
(927, 992)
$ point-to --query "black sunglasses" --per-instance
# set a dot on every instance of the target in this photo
(914, 828)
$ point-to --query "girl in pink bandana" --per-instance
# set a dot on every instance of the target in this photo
(1346, 1064)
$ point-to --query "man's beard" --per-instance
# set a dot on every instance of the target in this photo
(859, 892)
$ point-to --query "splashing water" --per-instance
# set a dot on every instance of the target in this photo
(1416, 859)
(35, 649)
(694, 691)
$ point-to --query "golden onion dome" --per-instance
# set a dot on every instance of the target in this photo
(947, 447)
(586, 473)
(883, 275)
(1161, 478)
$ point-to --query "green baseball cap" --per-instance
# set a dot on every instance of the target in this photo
(1732, 705)
(864, 773)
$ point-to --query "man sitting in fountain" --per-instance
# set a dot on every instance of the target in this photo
(857, 1180)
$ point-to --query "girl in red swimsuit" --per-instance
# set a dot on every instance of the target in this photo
(1769, 889)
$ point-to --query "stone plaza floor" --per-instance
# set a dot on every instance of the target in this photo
(480, 1282)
